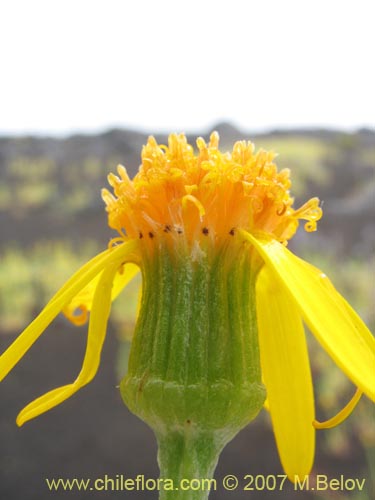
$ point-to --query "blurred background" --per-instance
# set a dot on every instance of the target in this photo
(82, 85)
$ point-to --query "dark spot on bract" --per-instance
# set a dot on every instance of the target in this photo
(167, 228)
(205, 231)
(140, 235)
(231, 232)
(151, 235)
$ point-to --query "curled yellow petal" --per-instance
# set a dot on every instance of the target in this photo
(101, 306)
(330, 318)
(287, 376)
(78, 308)
(73, 286)
(342, 415)
(77, 314)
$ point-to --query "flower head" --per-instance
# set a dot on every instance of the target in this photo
(211, 193)
(224, 300)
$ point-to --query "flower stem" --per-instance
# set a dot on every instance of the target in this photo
(188, 458)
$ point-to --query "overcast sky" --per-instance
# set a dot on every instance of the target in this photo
(185, 65)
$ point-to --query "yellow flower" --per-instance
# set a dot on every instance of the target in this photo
(200, 206)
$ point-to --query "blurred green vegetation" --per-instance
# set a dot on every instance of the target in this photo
(307, 156)
(52, 220)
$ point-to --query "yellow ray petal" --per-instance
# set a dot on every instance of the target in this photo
(101, 306)
(334, 323)
(86, 267)
(287, 377)
(83, 300)
(78, 281)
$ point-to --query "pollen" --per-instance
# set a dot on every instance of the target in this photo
(205, 193)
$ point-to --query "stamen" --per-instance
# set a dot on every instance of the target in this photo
(281, 211)
(256, 204)
(201, 144)
(214, 140)
(310, 226)
(197, 203)
(342, 415)
(311, 212)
